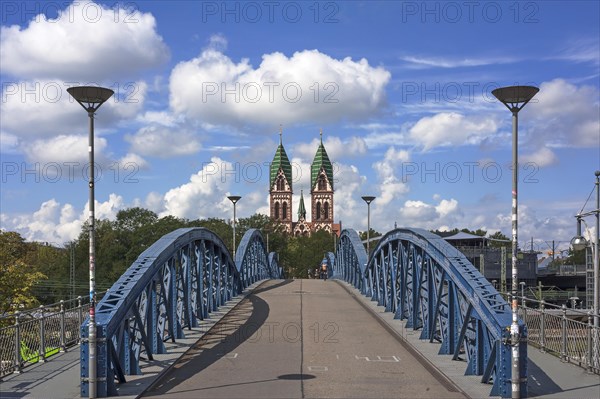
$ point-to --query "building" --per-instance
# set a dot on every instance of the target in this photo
(488, 259)
(321, 193)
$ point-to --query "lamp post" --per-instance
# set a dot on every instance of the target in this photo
(579, 242)
(91, 98)
(368, 199)
(234, 199)
(515, 98)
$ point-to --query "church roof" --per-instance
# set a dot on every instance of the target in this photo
(321, 160)
(280, 160)
(301, 207)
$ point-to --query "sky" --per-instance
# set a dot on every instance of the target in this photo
(401, 91)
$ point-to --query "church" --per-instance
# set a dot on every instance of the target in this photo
(321, 194)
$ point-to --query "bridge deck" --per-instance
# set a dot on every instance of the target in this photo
(303, 339)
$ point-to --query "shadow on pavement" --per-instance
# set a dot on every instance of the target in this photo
(240, 324)
(539, 383)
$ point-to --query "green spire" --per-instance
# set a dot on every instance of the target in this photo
(301, 208)
(280, 160)
(321, 160)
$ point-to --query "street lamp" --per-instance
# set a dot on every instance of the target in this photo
(368, 199)
(579, 242)
(515, 98)
(91, 98)
(234, 199)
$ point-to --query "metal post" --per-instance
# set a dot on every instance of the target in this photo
(79, 317)
(63, 345)
(514, 328)
(234, 230)
(42, 354)
(17, 343)
(590, 361)
(368, 199)
(563, 349)
(596, 271)
(515, 98)
(234, 199)
(92, 322)
(368, 230)
(542, 327)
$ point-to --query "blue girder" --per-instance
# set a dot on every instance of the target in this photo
(174, 284)
(424, 280)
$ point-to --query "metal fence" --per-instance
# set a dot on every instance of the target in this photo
(566, 333)
(35, 335)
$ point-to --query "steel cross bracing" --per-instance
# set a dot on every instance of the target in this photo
(173, 285)
(424, 280)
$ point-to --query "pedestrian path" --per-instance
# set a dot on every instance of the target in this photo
(548, 376)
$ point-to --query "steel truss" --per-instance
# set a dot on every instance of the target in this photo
(173, 285)
(424, 280)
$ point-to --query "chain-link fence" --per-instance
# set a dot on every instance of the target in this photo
(37, 334)
(566, 333)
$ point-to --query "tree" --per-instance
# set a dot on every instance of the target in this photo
(499, 240)
(17, 277)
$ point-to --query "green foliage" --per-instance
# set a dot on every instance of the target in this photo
(499, 240)
(17, 273)
(304, 253)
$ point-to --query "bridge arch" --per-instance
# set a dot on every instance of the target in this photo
(424, 280)
(173, 285)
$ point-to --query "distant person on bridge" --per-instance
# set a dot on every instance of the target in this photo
(324, 271)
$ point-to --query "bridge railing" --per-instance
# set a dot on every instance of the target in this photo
(568, 334)
(427, 282)
(34, 335)
(172, 286)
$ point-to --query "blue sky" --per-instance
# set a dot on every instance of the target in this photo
(402, 91)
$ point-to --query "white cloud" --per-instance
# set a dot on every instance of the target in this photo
(541, 158)
(203, 196)
(391, 187)
(418, 62)
(63, 148)
(33, 109)
(86, 41)
(163, 142)
(451, 129)
(336, 148)
(155, 202)
(133, 159)
(564, 115)
(309, 85)
(217, 42)
(163, 118)
(56, 223)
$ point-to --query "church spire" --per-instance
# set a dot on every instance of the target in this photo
(301, 207)
(321, 160)
(280, 161)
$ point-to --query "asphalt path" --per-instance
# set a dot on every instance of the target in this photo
(302, 339)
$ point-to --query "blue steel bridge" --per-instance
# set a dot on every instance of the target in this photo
(316, 339)
(187, 274)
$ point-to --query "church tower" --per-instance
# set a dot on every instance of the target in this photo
(280, 188)
(321, 190)
(301, 227)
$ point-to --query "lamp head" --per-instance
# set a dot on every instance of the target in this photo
(515, 97)
(234, 198)
(578, 243)
(368, 199)
(90, 97)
